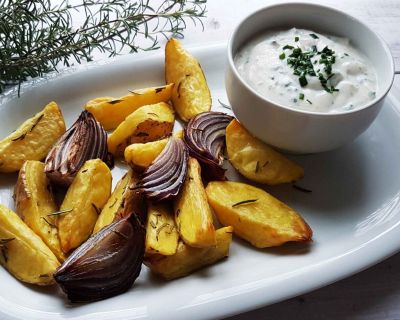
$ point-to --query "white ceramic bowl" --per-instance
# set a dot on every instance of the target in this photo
(294, 130)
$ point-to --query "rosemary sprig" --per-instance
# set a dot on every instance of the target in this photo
(36, 36)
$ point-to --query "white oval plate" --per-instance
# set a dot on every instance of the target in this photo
(353, 210)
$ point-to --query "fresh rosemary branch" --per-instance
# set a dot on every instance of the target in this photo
(37, 37)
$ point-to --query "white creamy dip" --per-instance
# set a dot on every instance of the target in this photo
(263, 64)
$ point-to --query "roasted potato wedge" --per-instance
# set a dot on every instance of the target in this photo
(23, 253)
(255, 215)
(84, 200)
(110, 112)
(188, 259)
(161, 233)
(33, 139)
(124, 200)
(148, 123)
(140, 155)
(35, 204)
(193, 214)
(190, 94)
(256, 160)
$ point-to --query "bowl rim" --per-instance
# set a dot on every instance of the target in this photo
(277, 105)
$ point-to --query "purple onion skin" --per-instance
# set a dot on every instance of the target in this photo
(84, 140)
(163, 179)
(204, 137)
(107, 264)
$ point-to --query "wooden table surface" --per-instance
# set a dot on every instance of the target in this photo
(373, 294)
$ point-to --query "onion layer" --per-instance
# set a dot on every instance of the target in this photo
(163, 179)
(204, 136)
(84, 140)
(107, 264)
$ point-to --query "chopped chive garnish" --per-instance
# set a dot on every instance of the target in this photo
(296, 39)
(314, 36)
(302, 65)
(301, 96)
(303, 81)
(288, 47)
(309, 101)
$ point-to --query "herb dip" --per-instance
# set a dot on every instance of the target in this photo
(305, 70)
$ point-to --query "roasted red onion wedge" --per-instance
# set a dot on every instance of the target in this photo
(107, 264)
(163, 179)
(84, 140)
(204, 136)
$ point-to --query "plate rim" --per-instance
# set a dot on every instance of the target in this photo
(348, 263)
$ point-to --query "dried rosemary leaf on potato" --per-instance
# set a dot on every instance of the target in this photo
(23, 253)
(124, 200)
(255, 215)
(161, 233)
(148, 123)
(188, 259)
(35, 205)
(193, 214)
(110, 112)
(190, 95)
(85, 198)
(256, 160)
(33, 139)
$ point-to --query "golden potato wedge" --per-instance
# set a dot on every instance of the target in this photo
(255, 215)
(23, 253)
(110, 112)
(193, 214)
(148, 123)
(188, 259)
(161, 233)
(124, 200)
(35, 204)
(256, 160)
(84, 200)
(140, 155)
(190, 95)
(33, 139)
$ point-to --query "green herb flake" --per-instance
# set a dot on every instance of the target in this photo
(282, 56)
(224, 105)
(314, 36)
(98, 211)
(302, 189)
(58, 213)
(257, 167)
(309, 101)
(301, 96)
(303, 81)
(49, 223)
(288, 47)
(296, 39)
(243, 202)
